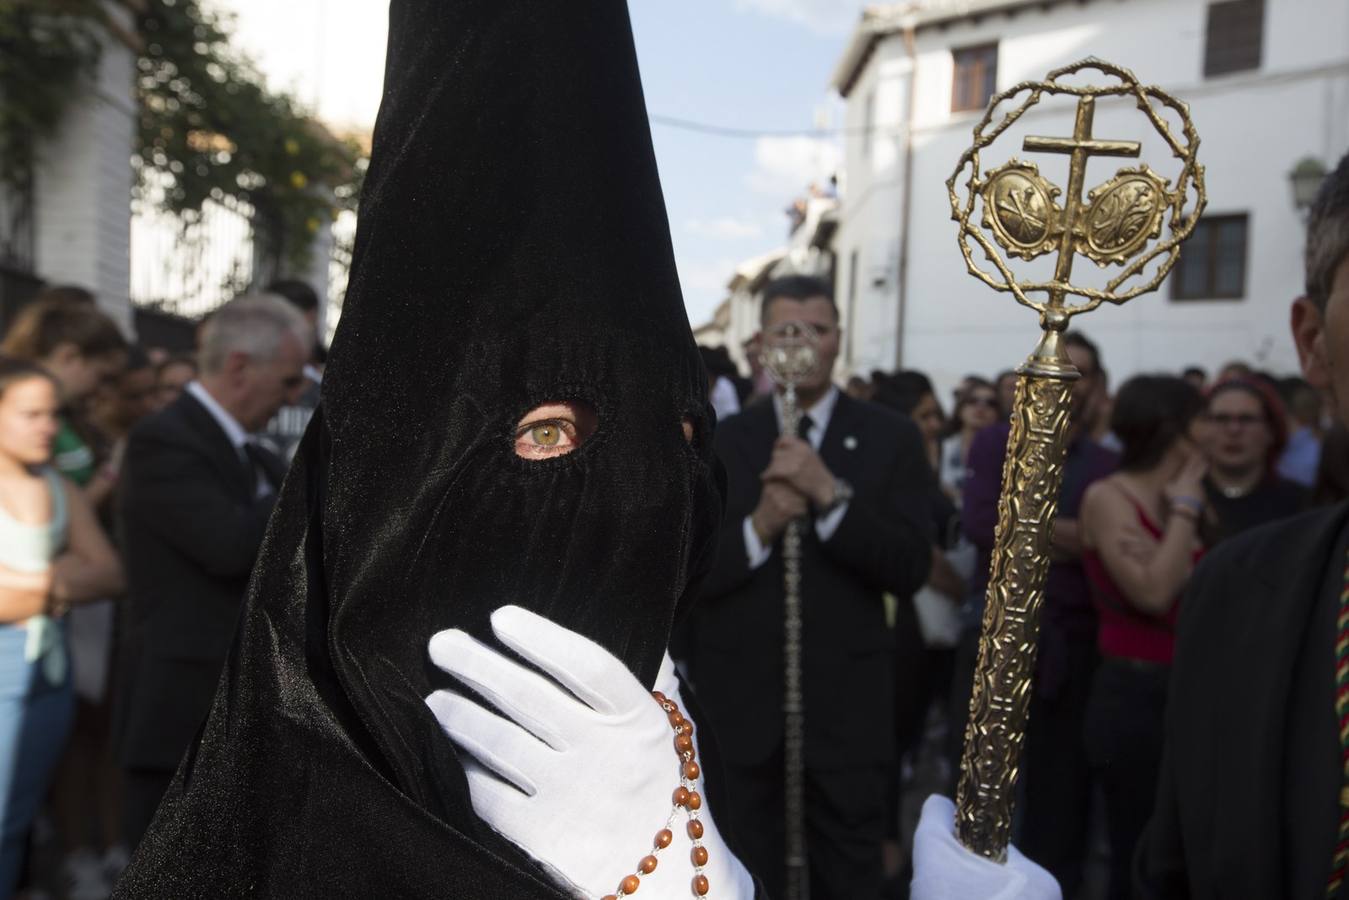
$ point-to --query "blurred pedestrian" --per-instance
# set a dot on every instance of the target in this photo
(86, 794)
(197, 492)
(1196, 376)
(1006, 386)
(1302, 456)
(1140, 536)
(976, 409)
(927, 624)
(52, 555)
(171, 376)
(1243, 435)
(80, 348)
(283, 433)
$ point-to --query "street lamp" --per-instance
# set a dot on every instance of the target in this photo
(1306, 179)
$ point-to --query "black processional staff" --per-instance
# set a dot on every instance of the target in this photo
(790, 355)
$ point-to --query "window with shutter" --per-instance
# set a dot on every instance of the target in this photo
(975, 77)
(1212, 263)
(1234, 36)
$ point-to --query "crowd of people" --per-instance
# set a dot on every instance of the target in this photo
(1158, 472)
(135, 486)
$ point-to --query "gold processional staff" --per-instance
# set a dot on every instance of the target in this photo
(1117, 224)
(790, 355)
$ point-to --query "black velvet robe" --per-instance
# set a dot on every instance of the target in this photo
(512, 250)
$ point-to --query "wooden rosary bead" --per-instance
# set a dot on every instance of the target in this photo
(700, 885)
(663, 838)
(630, 884)
(699, 856)
(683, 743)
(691, 770)
(680, 796)
(695, 829)
(694, 801)
(609, 897)
(647, 865)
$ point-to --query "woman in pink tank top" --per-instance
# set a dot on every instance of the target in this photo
(1140, 531)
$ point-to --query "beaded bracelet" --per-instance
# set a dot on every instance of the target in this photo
(685, 797)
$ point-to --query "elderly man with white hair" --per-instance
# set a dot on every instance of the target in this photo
(196, 494)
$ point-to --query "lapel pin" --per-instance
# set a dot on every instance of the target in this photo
(850, 442)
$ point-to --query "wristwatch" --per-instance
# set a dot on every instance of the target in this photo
(843, 492)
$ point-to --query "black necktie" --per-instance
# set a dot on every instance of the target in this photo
(261, 468)
(803, 427)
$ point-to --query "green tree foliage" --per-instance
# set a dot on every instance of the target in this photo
(210, 129)
(45, 47)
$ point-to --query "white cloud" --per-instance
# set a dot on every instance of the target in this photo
(704, 283)
(725, 228)
(785, 166)
(823, 16)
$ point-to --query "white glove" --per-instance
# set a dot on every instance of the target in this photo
(945, 870)
(582, 785)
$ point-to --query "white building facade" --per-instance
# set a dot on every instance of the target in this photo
(82, 178)
(1267, 85)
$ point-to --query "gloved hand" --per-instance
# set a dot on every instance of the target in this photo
(582, 785)
(945, 870)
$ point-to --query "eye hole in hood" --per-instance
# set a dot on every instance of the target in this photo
(554, 429)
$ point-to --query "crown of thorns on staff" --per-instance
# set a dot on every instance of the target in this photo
(1115, 223)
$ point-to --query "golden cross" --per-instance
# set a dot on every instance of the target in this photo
(1081, 146)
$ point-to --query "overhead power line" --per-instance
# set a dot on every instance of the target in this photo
(750, 133)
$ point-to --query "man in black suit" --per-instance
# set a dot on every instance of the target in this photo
(196, 495)
(1253, 783)
(859, 474)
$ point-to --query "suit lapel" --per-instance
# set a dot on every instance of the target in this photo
(217, 444)
(834, 450)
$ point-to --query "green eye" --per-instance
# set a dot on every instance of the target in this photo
(546, 435)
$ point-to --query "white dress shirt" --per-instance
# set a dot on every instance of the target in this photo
(825, 526)
(233, 430)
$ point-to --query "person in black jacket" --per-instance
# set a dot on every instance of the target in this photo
(1251, 801)
(196, 495)
(860, 473)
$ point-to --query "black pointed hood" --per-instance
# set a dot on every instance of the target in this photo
(512, 250)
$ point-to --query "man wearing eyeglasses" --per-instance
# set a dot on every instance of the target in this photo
(197, 491)
(858, 473)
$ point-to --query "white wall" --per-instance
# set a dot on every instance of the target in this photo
(1254, 127)
(82, 184)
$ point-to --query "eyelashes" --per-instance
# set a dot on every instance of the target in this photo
(556, 429)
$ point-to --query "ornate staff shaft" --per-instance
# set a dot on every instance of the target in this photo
(1113, 225)
(1032, 475)
(790, 355)
(793, 707)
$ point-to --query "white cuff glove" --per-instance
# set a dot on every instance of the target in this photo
(581, 781)
(945, 870)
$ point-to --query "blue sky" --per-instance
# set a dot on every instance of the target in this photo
(760, 65)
